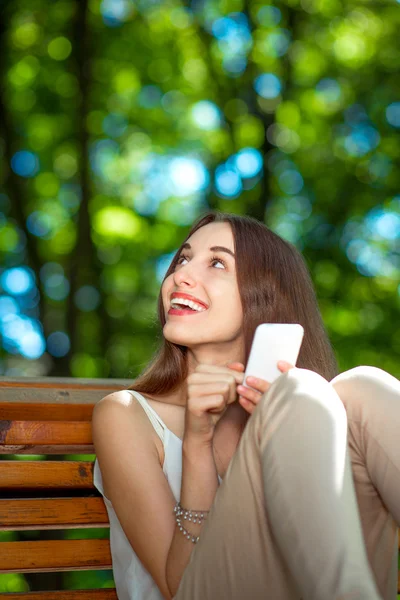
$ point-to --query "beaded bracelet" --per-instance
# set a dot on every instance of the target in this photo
(194, 516)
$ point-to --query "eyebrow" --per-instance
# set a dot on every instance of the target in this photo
(213, 249)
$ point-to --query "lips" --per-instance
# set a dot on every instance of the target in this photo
(178, 295)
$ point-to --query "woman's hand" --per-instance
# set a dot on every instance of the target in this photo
(249, 398)
(210, 389)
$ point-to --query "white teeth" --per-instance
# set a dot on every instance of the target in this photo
(179, 301)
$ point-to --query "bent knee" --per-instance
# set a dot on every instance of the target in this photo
(302, 395)
(296, 383)
(360, 386)
(306, 376)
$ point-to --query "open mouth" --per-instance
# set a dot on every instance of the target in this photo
(184, 307)
(180, 309)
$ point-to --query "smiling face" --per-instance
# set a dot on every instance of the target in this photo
(214, 335)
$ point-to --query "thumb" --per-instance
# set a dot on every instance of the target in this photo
(283, 365)
(236, 366)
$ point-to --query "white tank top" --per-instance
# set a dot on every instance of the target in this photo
(132, 580)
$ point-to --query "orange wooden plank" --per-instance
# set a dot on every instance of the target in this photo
(101, 594)
(63, 390)
(49, 411)
(45, 556)
(49, 449)
(52, 513)
(70, 383)
(45, 432)
(46, 474)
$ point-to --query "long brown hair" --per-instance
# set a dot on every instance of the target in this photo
(275, 287)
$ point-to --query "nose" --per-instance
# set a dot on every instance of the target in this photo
(183, 275)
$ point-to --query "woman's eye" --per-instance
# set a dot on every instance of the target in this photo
(214, 259)
(218, 260)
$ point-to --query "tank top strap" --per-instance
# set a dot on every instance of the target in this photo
(155, 420)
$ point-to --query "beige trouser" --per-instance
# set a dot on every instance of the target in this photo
(285, 523)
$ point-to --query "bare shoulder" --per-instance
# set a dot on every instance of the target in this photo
(121, 412)
(134, 481)
(121, 398)
(123, 404)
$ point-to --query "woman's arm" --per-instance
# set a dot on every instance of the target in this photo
(198, 488)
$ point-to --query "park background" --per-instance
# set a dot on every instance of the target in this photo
(122, 121)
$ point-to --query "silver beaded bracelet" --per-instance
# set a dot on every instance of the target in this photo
(195, 516)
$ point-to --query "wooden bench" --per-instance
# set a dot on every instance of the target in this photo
(50, 416)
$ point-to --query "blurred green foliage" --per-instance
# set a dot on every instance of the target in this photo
(123, 120)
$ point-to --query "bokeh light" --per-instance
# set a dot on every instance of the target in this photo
(114, 125)
(248, 162)
(206, 115)
(24, 335)
(25, 163)
(150, 96)
(40, 224)
(268, 85)
(8, 306)
(234, 40)
(115, 12)
(277, 43)
(361, 139)
(268, 16)
(59, 48)
(291, 182)
(393, 114)
(18, 280)
(162, 265)
(57, 287)
(117, 222)
(58, 343)
(187, 176)
(87, 298)
(227, 181)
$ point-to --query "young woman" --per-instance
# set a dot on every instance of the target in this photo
(215, 491)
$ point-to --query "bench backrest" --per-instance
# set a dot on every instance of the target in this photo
(51, 417)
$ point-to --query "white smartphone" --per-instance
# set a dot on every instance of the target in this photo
(273, 342)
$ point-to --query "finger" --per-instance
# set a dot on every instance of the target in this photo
(217, 369)
(215, 404)
(258, 384)
(237, 366)
(202, 378)
(207, 388)
(284, 366)
(251, 395)
(247, 405)
(226, 388)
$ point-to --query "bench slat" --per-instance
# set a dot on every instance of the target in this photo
(45, 432)
(102, 594)
(63, 390)
(46, 556)
(52, 513)
(54, 395)
(63, 383)
(49, 411)
(59, 449)
(46, 474)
